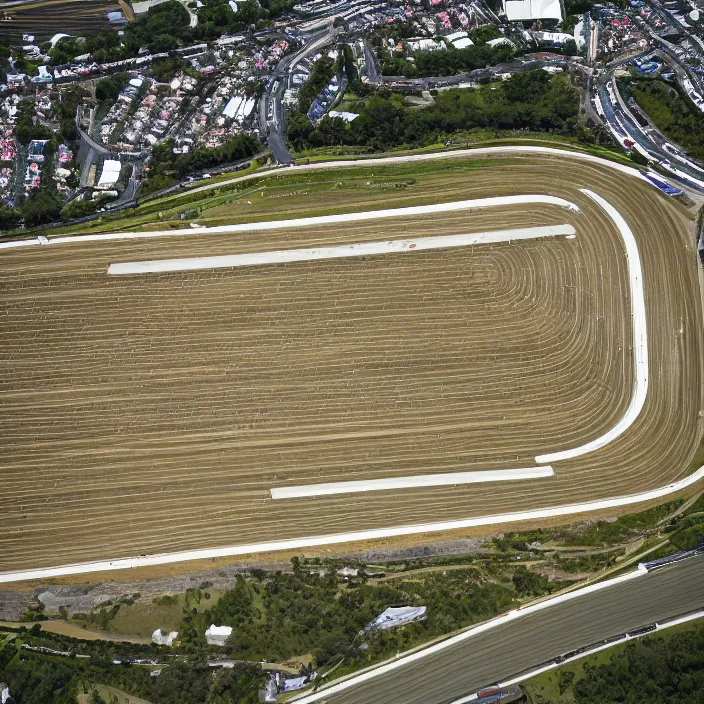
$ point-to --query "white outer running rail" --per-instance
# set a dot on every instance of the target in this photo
(343, 251)
(358, 536)
(410, 482)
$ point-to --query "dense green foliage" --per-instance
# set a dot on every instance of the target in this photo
(38, 679)
(9, 218)
(672, 112)
(78, 209)
(283, 615)
(448, 62)
(320, 74)
(689, 533)
(445, 62)
(66, 108)
(529, 583)
(162, 28)
(652, 670)
(354, 83)
(217, 17)
(533, 100)
(109, 88)
(165, 69)
(166, 168)
(44, 204)
(35, 678)
(27, 127)
(578, 7)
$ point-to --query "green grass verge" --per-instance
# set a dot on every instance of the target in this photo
(229, 188)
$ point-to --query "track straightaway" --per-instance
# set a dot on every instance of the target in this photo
(411, 482)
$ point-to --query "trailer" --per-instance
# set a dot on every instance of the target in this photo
(663, 185)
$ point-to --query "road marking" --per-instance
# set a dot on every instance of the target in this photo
(410, 482)
(359, 249)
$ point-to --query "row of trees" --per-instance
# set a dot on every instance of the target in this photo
(533, 100)
(281, 615)
(165, 27)
(167, 168)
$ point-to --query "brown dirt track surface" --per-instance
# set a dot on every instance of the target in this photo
(153, 414)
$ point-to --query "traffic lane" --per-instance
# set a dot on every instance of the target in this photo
(278, 148)
(536, 638)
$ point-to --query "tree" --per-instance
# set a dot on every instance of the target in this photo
(162, 43)
(9, 218)
(529, 583)
(109, 88)
(485, 33)
(248, 12)
(41, 207)
(298, 129)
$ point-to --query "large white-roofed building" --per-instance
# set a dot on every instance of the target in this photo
(218, 635)
(109, 174)
(528, 10)
(394, 617)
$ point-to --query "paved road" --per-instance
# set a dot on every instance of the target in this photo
(370, 62)
(623, 124)
(275, 127)
(98, 147)
(450, 674)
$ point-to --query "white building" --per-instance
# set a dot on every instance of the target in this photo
(529, 10)
(347, 117)
(110, 173)
(462, 43)
(294, 683)
(218, 635)
(392, 618)
(161, 638)
(425, 45)
(499, 41)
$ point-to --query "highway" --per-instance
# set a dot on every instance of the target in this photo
(649, 141)
(450, 674)
(622, 122)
